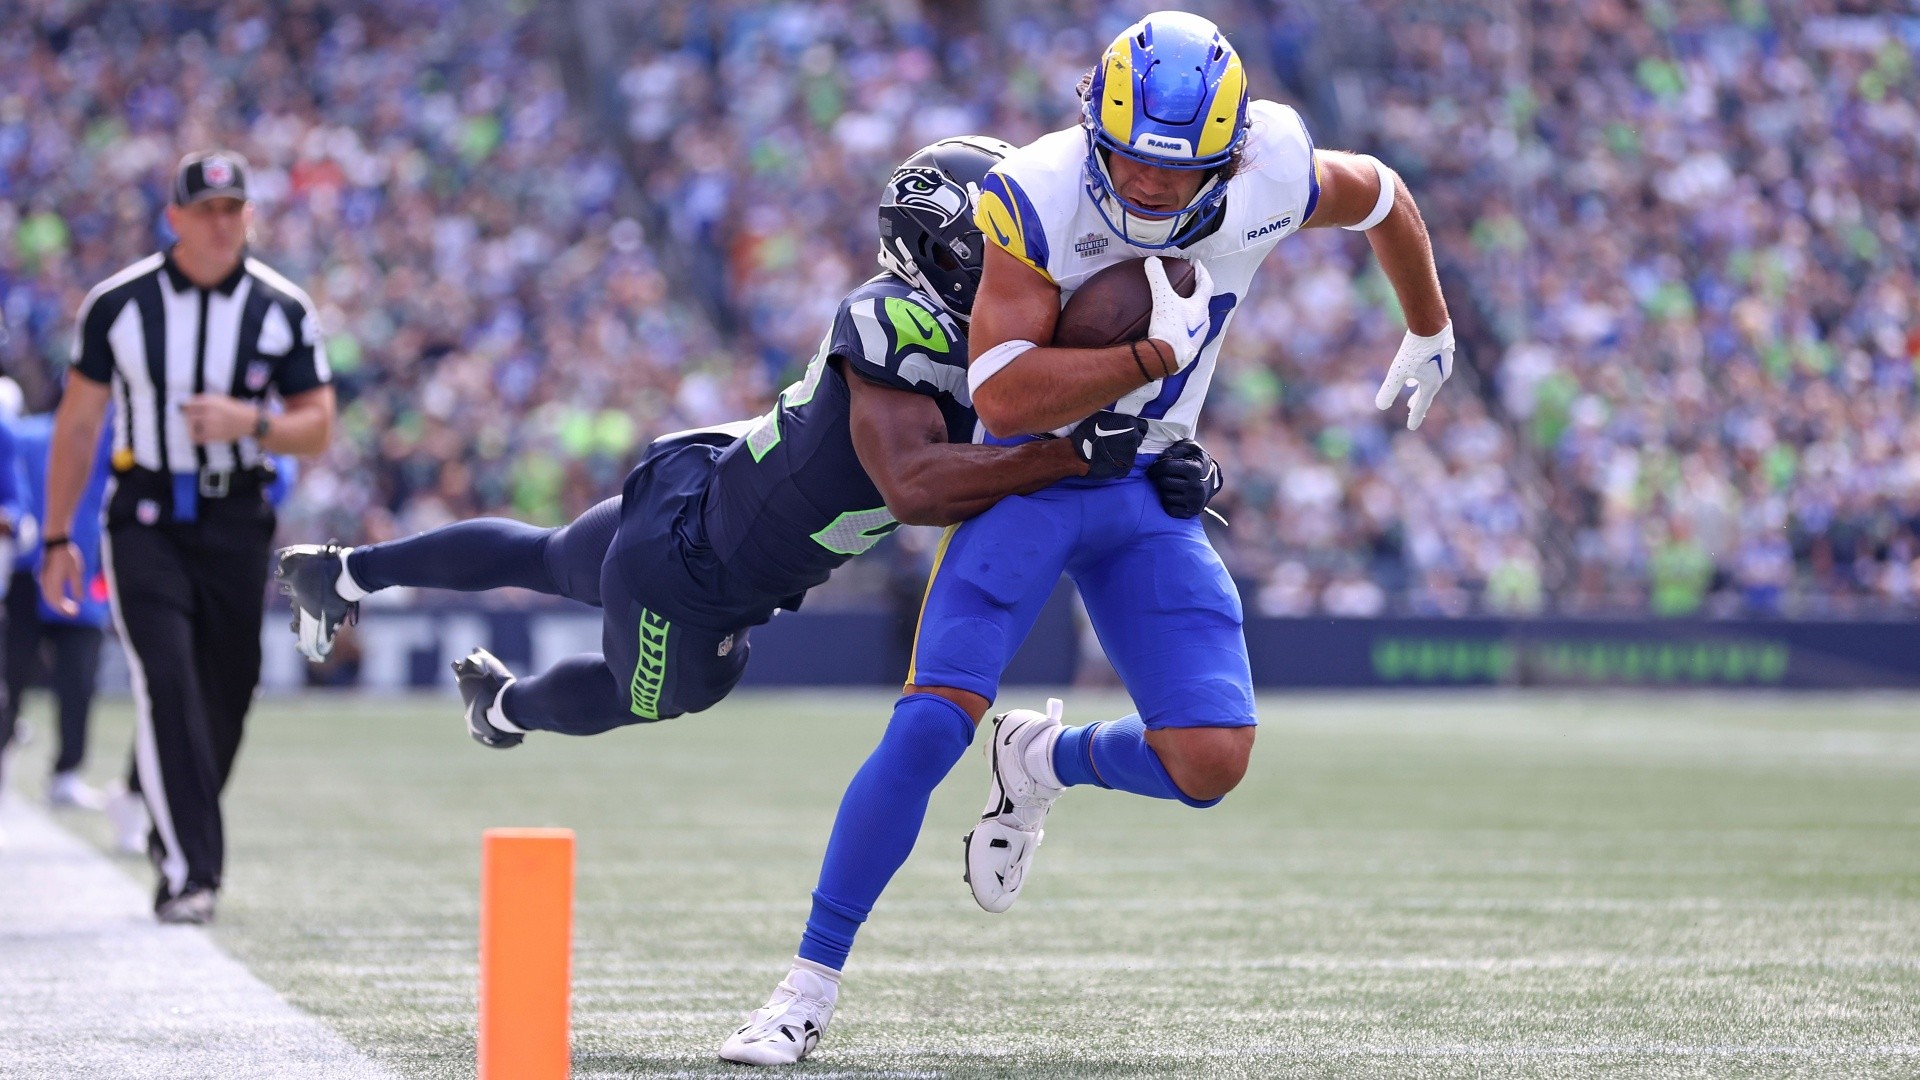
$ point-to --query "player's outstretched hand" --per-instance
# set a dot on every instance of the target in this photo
(1422, 363)
(1180, 322)
(1186, 478)
(1107, 442)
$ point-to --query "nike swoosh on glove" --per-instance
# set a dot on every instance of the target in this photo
(1107, 442)
(1186, 478)
(1180, 321)
(1422, 363)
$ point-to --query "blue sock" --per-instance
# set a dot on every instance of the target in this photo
(1115, 755)
(880, 818)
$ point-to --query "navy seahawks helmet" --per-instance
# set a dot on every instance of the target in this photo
(927, 234)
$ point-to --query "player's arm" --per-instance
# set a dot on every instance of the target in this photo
(305, 427)
(1043, 388)
(1350, 187)
(1360, 192)
(902, 442)
(76, 438)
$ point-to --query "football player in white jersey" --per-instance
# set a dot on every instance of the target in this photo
(1170, 157)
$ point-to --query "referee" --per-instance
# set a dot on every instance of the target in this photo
(188, 345)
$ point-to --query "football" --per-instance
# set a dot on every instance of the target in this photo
(1115, 305)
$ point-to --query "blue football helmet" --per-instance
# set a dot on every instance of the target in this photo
(1169, 92)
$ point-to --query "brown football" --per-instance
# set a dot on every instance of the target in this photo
(1115, 305)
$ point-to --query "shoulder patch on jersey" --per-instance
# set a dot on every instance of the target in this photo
(1007, 217)
(901, 342)
(915, 326)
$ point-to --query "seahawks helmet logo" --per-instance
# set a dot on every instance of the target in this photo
(926, 189)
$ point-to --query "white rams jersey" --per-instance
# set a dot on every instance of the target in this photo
(1037, 206)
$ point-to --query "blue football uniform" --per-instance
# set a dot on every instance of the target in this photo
(1159, 597)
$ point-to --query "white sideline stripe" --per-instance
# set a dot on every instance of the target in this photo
(146, 749)
(94, 987)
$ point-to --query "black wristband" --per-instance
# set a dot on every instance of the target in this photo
(1135, 347)
(261, 421)
(52, 542)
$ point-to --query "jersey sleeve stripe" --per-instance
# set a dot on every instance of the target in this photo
(1007, 217)
(949, 379)
(873, 336)
(1313, 177)
(939, 556)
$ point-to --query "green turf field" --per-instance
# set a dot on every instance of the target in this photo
(1471, 886)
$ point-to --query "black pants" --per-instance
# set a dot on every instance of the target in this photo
(189, 598)
(76, 665)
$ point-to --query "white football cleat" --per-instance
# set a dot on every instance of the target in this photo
(788, 1026)
(1000, 848)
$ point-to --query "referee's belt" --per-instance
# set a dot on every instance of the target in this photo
(184, 490)
(207, 482)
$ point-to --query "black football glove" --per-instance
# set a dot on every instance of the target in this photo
(1187, 478)
(1107, 442)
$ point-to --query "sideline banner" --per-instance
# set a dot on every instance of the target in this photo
(1576, 652)
(412, 648)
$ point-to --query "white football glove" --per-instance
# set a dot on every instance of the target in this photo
(1180, 321)
(1423, 363)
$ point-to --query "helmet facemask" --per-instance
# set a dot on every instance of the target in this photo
(1139, 226)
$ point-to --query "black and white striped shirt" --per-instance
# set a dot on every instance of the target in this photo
(160, 339)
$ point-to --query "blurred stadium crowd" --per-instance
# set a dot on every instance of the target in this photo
(1680, 240)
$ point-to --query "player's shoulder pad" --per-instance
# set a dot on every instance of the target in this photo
(1278, 138)
(1036, 184)
(1280, 152)
(889, 333)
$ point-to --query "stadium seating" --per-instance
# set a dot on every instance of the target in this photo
(1681, 251)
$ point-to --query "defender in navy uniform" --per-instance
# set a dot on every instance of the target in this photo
(716, 529)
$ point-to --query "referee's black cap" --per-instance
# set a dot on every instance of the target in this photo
(210, 174)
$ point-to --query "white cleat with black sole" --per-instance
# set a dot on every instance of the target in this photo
(1000, 848)
(788, 1026)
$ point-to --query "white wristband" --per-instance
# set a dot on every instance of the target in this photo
(1385, 205)
(991, 361)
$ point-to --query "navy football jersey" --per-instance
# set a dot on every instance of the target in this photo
(790, 500)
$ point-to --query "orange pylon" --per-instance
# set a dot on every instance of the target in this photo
(526, 953)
